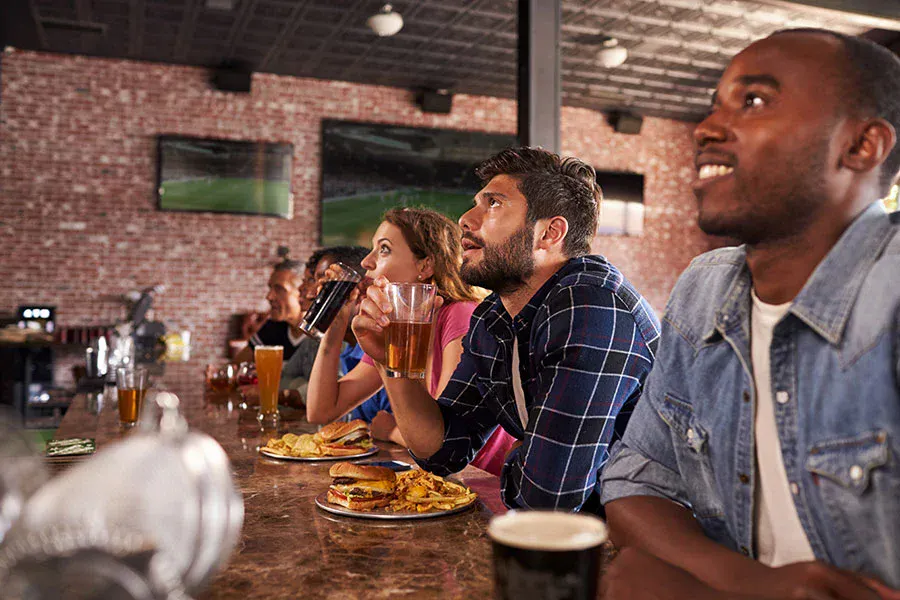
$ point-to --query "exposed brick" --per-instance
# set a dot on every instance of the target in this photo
(79, 224)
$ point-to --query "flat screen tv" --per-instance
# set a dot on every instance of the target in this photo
(212, 175)
(368, 168)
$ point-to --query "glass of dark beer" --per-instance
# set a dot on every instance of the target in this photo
(331, 298)
(407, 338)
(544, 554)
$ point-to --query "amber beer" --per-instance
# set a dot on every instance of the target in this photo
(407, 338)
(268, 371)
(407, 349)
(130, 403)
(131, 385)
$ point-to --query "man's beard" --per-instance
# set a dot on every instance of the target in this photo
(505, 267)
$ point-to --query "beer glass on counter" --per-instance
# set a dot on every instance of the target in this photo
(407, 338)
(131, 383)
(268, 371)
(328, 302)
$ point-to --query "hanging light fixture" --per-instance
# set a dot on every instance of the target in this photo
(385, 22)
(611, 54)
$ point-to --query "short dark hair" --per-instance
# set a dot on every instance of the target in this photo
(314, 259)
(351, 256)
(870, 84)
(552, 186)
(296, 267)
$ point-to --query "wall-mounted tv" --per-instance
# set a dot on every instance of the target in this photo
(368, 168)
(212, 175)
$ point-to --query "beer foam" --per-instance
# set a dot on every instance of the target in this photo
(548, 531)
(268, 347)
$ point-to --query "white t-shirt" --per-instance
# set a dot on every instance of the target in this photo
(780, 538)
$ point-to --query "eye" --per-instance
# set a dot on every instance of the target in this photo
(493, 203)
(752, 100)
(384, 249)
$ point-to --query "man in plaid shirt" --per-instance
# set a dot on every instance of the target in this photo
(554, 355)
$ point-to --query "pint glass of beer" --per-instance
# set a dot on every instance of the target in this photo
(407, 338)
(131, 384)
(328, 303)
(268, 371)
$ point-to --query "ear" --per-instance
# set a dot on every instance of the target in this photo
(873, 142)
(551, 233)
(426, 268)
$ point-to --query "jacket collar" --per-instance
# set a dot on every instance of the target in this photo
(827, 299)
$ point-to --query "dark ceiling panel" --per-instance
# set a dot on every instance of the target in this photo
(677, 48)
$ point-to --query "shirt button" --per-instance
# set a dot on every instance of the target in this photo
(690, 434)
(744, 478)
(856, 473)
(795, 489)
(782, 397)
(746, 396)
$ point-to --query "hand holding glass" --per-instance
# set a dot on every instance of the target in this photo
(407, 338)
(328, 302)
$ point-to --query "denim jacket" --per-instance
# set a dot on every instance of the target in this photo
(835, 368)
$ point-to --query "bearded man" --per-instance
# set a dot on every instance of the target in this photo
(557, 355)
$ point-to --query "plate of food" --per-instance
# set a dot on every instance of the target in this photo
(333, 442)
(373, 492)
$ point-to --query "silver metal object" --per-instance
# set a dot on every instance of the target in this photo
(167, 486)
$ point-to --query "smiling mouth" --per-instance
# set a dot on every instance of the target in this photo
(711, 171)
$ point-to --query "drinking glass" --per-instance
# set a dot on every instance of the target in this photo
(407, 338)
(131, 383)
(268, 372)
(544, 554)
(223, 379)
(331, 298)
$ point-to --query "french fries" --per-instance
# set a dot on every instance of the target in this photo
(421, 491)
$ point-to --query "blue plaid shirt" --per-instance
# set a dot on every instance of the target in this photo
(586, 344)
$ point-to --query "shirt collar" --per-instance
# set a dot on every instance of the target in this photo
(497, 314)
(827, 298)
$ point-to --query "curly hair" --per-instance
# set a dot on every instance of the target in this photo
(552, 186)
(430, 234)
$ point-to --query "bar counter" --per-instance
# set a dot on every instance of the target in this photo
(290, 548)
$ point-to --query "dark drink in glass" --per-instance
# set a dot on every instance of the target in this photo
(328, 303)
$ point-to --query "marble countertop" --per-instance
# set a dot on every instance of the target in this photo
(290, 548)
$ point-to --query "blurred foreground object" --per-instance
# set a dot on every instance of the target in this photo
(152, 516)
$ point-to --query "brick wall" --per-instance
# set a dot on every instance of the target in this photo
(78, 218)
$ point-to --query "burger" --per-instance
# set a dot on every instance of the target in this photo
(345, 439)
(361, 487)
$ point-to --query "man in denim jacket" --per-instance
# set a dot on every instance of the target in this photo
(763, 459)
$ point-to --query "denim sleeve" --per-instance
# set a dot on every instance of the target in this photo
(467, 423)
(644, 463)
(591, 359)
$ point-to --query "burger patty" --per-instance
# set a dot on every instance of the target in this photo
(360, 493)
(343, 480)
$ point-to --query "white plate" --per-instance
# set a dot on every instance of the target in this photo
(382, 513)
(266, 452)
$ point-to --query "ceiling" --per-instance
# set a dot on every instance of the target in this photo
(677, 48)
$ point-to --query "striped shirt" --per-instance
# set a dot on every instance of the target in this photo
(586, 342)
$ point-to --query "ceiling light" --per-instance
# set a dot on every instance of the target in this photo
(386, 22)
(612, 54)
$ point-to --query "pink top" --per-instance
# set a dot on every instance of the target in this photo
(452, 323)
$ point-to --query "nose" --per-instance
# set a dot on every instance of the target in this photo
(270, 295)
(712, 129)
(470, 220)
(368, 263)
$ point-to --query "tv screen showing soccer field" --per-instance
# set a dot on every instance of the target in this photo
(210, 175)
(369, 168)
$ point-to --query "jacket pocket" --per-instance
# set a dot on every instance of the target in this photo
(690, 440)
(859, 482)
